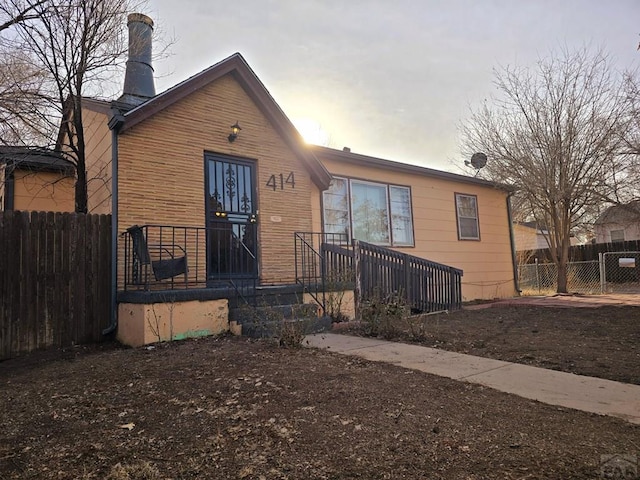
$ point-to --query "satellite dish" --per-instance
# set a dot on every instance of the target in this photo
(478, 160)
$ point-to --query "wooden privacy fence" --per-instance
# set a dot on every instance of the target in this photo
(55, 280)
(580, 253)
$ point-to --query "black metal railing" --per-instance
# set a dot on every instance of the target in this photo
(164, 257)
(318, 256)
(324, 262)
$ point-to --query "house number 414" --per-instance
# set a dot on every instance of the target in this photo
(280, 181)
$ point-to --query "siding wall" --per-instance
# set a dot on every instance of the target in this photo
(161, 171)
(98, 147)
(603, 231)
(487, 264)
(43, 191)
(527, 238)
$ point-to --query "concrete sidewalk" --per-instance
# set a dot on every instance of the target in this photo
(588, 394)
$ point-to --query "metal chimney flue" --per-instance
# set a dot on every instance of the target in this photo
(138, 79)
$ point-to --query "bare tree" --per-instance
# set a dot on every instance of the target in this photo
(556, 133)
(75, 47)
(21, 88)
(13, 12)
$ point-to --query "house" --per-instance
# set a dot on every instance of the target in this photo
(448, 218)
(528, 236)
(618, 223)
(215, 194)
(35, 179)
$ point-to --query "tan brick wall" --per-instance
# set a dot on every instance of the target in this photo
(161, 170)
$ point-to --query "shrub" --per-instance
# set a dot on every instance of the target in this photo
(381, 316)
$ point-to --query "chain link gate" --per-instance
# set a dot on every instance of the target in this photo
(620, 272)
(614, 272)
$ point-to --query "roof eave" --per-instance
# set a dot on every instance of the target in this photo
(242, 72)
(365, 160)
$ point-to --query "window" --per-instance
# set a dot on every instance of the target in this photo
(467, 213)
(368, 211)
(401, 221)
(617, 235)
(336, 207)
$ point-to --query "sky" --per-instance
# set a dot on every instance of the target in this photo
(388, 78)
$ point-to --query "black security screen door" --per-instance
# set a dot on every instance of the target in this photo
(231, 218)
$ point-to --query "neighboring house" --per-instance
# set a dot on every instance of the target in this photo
(529, 236)
(215, 173)
(618, 223)
(35, 179)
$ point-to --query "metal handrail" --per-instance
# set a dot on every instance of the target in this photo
(193, 242)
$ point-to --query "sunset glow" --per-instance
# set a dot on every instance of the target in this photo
(311, 131)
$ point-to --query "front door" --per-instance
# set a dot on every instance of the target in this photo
(231, 218)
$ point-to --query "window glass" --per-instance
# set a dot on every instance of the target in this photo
(370, 215)
(617, 235)
(372, 212)
(467, 210)
(402, 228)
(336, 207)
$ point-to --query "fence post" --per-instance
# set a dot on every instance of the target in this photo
(408, 294)
(357, 293)
(603, 280)
(452, 288)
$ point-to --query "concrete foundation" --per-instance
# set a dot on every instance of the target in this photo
(142, 324)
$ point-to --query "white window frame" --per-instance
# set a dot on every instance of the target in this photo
(392, 242)
(458, 197)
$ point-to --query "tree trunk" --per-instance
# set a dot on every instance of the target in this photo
(81, 194)
(562, 277)
(81, 188)
(563, 264)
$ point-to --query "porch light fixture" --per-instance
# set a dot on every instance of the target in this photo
(235, 130)
(221, 214)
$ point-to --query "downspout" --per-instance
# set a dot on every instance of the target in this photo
(115, 123)
(512, 240)
(9, 188)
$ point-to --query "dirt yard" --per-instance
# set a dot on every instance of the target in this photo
(231, 408)
(600, 342)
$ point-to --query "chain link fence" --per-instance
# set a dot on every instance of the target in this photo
(614, 272)
(542, 278)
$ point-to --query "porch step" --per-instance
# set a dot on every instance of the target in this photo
(288, 327)
(277, 320)
(268, 296)
(269, 313)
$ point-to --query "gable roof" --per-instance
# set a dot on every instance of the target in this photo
(35, 159)
(623, 213)
(237, 66)
(345, 156)
(533, 225)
